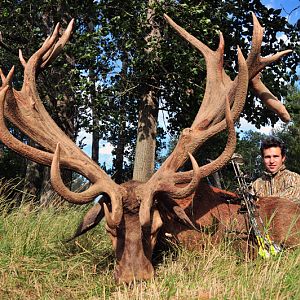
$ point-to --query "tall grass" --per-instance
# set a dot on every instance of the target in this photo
(36, 263)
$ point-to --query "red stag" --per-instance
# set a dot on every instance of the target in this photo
(135, 211)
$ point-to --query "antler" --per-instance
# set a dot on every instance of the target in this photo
(25, 109)
(210, 118)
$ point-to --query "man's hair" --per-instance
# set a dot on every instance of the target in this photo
(272, 142)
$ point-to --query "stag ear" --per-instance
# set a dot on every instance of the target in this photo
(180, 213)
(92, 218)
(170, 207)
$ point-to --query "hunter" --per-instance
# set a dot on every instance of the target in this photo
(276, 180)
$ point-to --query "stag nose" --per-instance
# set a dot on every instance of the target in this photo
(127, 274)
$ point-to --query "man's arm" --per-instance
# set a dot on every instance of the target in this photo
(292, 188)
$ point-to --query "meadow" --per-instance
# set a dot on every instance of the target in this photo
(37, 263)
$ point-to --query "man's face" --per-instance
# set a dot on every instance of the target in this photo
(273, 159)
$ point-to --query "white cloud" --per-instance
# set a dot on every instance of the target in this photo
(106, 148)
(246, 126)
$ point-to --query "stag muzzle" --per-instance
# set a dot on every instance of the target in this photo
(134, 248)
(133, 252)
(139, 268)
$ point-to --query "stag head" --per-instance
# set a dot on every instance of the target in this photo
(132, 210)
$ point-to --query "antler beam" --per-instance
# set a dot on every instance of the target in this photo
(210, 118)
(25, 109)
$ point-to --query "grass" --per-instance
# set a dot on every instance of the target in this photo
(35, 263)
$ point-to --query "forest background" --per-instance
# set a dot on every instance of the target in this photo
(124, 64)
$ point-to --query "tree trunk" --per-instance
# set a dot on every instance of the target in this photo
(95, 139)
(147, 124)
(32, 178)
(217, 180)
(146, 138)
(119, 151)
(120, 147)
(95, 117)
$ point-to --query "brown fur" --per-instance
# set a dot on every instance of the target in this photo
(132, 243)
(210, 213)
(217, 214)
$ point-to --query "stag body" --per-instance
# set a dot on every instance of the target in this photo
(132, 211)
(217, 214)
(209, 214)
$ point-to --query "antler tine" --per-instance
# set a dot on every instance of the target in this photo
(209, 110)
(36, 59)
(6, 80)
(205, 50)
(255, 62)
(22, 59)
(50, 49)
(115, 194)
(220, 89)
(76, 198)
(3, 78)
(257, 37)
(271, 102)
(25, 110)
(57, 48)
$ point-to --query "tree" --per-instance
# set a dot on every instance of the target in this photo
(60, 85)
(114, 66)
(176, 79)
(249, 142)
(249, 147)
(290, 133)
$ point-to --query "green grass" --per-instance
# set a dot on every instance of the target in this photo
(35, 263)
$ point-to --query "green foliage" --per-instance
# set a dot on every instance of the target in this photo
(110, 63)
(11, 165)
(174, 70)
(292, 103)
(290, 133)
(249, 147)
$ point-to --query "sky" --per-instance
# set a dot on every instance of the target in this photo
(287, 7)
(288, 11)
